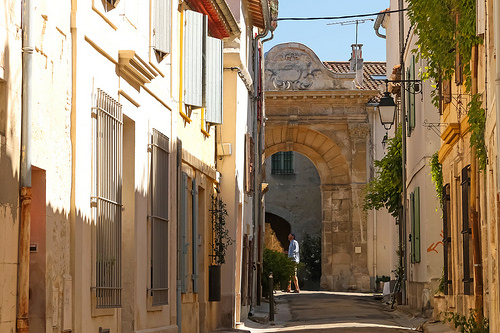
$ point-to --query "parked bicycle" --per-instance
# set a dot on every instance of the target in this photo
(395, 290)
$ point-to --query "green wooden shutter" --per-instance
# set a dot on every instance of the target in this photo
(416, 236)
(411, 96)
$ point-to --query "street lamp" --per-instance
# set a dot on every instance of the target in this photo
(387, 110)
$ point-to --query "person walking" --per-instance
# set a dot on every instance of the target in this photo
(293, 254)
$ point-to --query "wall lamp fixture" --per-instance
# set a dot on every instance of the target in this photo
(387, 107)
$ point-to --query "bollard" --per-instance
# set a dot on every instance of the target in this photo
(271, 297)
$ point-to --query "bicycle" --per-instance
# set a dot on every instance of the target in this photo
(396, 289)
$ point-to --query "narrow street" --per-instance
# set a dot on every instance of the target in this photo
(321, 311)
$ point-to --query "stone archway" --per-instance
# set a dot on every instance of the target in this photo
(323, 116)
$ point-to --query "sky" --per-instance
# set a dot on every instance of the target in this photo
(331, 42)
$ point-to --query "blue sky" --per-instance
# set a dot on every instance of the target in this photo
(330, 42)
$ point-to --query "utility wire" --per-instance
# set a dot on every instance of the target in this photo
(337, 17)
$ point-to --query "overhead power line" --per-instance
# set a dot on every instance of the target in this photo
(337, 17)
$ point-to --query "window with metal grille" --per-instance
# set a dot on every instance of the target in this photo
(108, 147)
(159, 217)
(466, 232)
(448, 260)
(282, 163)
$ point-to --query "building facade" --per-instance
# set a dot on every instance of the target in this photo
(112, 128)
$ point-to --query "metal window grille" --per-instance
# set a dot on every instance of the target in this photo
(466, 231)
(282, 163)
(108, 200)
(159, 217)
(448, 264)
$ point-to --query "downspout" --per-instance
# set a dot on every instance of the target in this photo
(402, 223)
(474, 214)
(496, 24)
(257, 198)
(22, 322)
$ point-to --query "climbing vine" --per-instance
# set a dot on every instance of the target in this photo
(477, 121)
(446, 31)
(437, 176)
(444, 28)
(385, 189)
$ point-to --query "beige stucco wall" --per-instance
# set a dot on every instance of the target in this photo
(424, 141)
(10, 127)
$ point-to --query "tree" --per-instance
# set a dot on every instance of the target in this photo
(385, 189)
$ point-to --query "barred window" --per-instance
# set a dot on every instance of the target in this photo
(107, 200)
(282, 163)
(159, 217)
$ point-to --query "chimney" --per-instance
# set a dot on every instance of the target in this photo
(356, 63)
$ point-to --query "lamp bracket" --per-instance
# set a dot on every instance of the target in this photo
(412, 86)
(435, 127)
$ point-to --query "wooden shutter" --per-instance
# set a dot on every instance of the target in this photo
(212, 81)
(160, 34)
(192, 62)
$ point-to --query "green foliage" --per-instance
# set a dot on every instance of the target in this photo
(221, 239)
(467, 324)
(477, 122)
(385, 189)
(310, 255)
(437, 176)
(442, 284)
(280, 265)
(444, 28)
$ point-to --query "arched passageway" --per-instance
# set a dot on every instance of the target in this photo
(322, 115)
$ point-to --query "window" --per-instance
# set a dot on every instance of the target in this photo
(282, 163)
(410, 99)
(415, 225)
(108, 199)
(466, 232)
(448, 261)
(160, 33)
(159, 217)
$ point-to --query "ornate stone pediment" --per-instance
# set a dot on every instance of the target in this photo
(293, 66)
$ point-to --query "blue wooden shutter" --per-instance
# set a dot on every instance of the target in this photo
(192, 65)
(183, 220)
(194, 235)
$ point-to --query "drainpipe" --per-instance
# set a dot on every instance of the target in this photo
(22, 322)
(496, 24)
(474, 214)
(402, 223)
(257, 198)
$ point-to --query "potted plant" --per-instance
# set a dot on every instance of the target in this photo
(220, 243)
